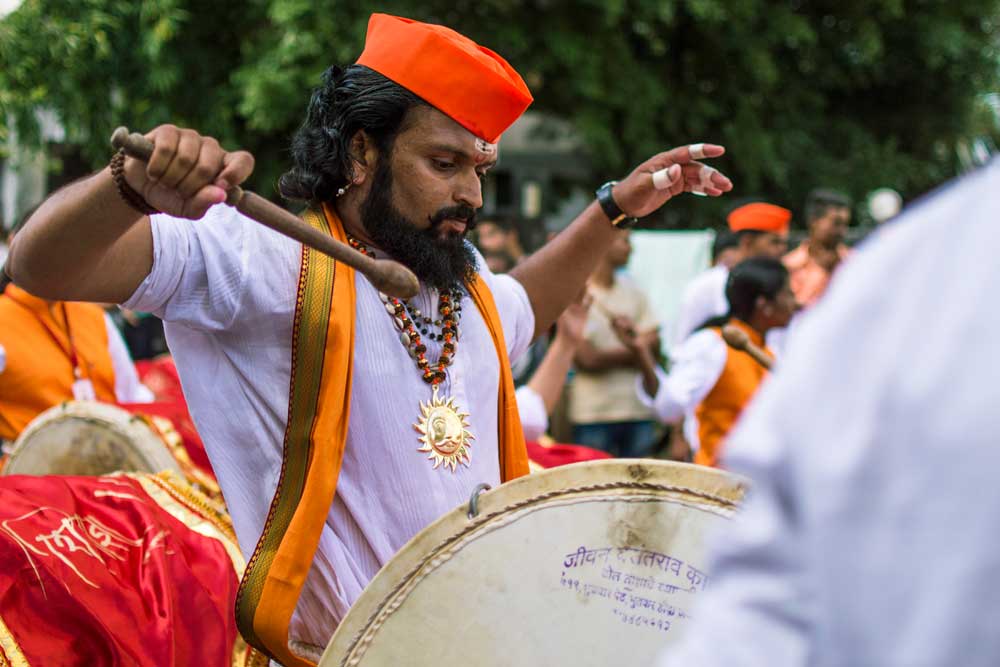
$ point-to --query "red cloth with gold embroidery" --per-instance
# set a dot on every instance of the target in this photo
(160, 376)
(115, 570)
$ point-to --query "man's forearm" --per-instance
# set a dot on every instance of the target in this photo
(86, 244)
(67, 249)
(556, 274)
(647, 366)
(549, 379)
(590, 359)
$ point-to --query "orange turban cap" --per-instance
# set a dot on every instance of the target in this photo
(760, 217)
(468, 82)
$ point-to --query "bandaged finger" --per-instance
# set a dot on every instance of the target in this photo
(662, 178)
(704, 180)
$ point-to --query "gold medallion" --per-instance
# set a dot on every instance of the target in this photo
(443, 432)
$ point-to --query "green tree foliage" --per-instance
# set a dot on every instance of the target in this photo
(849, 93)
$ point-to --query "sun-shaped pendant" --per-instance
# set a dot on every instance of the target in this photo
(442, 430)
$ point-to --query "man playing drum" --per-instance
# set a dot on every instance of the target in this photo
(363, 416)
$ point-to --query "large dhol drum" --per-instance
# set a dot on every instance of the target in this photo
(89, 438)
(594, 563)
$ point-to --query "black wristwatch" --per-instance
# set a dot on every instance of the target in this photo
(617, 217)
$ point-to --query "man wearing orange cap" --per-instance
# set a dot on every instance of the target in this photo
(762, 231)
(341, 421)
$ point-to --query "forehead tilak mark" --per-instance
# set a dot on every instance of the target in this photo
(485, 147)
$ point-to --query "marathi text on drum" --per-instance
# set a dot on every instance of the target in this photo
(648, 583)
(625, 597)
(697, 579)
(626, 601)
(635, 598)
(642, 620)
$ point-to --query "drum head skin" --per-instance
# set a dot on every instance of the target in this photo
(596, 563)
(88, 438)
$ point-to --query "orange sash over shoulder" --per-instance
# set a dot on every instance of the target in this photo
(319, 406)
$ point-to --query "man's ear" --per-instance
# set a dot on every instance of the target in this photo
(364, 157)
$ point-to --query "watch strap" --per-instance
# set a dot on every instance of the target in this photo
(611, 209)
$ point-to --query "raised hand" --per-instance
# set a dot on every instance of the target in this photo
(648, 339)
(668, 174)
(187, 172)
(573, 321)
(624, 328)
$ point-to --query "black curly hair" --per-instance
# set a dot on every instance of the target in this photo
(751, 278)
(350, 99)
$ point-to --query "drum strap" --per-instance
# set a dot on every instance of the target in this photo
(319, 406)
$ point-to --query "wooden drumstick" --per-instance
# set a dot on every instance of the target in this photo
(738, 339)
(386, 275)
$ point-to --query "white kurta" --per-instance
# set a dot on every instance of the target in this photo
(225, 286)
(695, 367)
(534, 417)
(873, 452)
(704, 298)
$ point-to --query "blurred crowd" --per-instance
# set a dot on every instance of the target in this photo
(643, 385)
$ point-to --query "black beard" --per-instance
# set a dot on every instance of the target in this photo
(444, 263)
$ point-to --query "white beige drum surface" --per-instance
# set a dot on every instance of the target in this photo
(88, 438)
(596, 563)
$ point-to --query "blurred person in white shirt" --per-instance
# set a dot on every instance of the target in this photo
(872, 454)
(761, 230)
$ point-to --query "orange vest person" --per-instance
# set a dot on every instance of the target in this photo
(707, 376)
(54, 351)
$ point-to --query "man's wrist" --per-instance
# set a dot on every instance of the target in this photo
(644, 355)
(126, 192)
(565, 344)
(117, 207)
(608, 204)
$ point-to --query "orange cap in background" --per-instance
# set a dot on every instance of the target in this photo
(760, 217)
(471, 84)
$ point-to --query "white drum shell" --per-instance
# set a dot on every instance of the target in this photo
(591, 564)
(88, 438)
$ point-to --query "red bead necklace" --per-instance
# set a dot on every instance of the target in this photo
(449, 309)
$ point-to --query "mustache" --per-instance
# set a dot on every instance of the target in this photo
(466, 214)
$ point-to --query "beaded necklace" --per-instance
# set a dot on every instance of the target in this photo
(441, 425)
